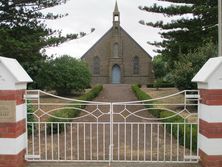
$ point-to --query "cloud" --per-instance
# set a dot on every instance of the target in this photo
(85, 14)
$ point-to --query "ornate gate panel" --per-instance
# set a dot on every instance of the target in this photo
(157, 130)
(63, 129)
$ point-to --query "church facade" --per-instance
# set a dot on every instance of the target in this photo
(118, 59)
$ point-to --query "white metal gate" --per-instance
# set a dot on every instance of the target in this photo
(111, 132)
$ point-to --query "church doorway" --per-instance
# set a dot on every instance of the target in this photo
(116, 74)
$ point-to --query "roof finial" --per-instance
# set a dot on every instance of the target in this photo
(116, 7)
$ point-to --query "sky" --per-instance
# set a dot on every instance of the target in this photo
(87, 14)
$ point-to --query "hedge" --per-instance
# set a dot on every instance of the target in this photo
(160, 85)
(92, 93)
(183, 129)
(71, 113)
(141, 95)
(150, 85)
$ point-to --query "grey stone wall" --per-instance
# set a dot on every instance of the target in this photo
(128, 50)
(99, 80)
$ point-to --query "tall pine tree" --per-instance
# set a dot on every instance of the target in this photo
(24, 35)
(184, 35)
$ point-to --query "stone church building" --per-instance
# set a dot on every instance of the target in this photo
(118, 59)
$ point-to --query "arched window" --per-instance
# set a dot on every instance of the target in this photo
(136, 65)
(96, 65)
(115, 50)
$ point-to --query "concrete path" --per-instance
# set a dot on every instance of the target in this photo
(116, 93)
(120, 93)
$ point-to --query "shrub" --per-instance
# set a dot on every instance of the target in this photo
(190, 64)
(139, 93)
(150, 85)
(66, 75)
(139, 85)
(161, 83)
(155, 112)
(165, 114)
(184, 130)
(157, 84)
(70, 113)
(159, 66)
(58, 122)
(92, 94)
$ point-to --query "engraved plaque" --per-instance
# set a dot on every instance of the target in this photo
(7, 111)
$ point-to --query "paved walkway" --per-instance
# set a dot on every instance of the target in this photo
(116, 93)
(122, 93)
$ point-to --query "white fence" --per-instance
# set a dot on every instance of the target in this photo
(111, 132)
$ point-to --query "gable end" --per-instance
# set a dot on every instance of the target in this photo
(136, 43)
(97, 43)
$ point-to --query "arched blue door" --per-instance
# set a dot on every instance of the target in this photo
(116, 74)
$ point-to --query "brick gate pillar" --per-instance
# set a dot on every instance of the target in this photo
(13, 82)
(209, 80)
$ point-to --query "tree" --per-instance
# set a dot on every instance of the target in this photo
(64, 74)
(185, 34)
(159, 66)
(23, 34)
(190, 64)
(163, 77)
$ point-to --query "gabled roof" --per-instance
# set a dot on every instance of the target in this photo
(16, 70)
(109, 32)
(96, 43)
(208, 69)
(135, 42)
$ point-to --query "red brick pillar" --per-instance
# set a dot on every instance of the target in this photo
(211, 127)
(13, 81)
(209, 80)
